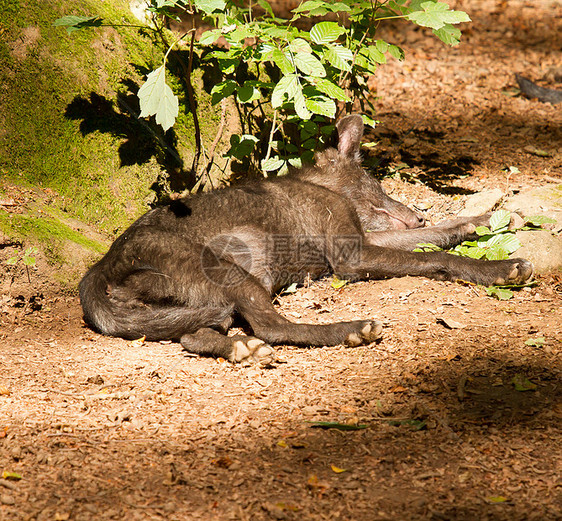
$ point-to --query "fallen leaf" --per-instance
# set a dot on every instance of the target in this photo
(497, 499)
(338, 283)
(521, 383)
(223, 462)
(450, 323)
(536, 151)
(535, 342)
(4, 391)
(337, 470)
(139, 342)
(282, 443)
(499, 293)
(338, 426)
(290, 289)
(287, 506)
(14, 476)
(417, 425)
(62, 517)
(314, 482)
(398, 389)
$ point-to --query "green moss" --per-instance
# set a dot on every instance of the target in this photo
(40, 141)
(9, 11)
(45, 230)
(61, 125)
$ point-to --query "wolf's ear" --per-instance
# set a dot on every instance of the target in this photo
(350, 132)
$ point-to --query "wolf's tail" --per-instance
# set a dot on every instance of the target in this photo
(115, 318)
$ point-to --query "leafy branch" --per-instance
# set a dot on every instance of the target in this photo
(495, 242)
(27, 258)
(287, 83)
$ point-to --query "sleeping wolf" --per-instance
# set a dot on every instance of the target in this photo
(183, 270)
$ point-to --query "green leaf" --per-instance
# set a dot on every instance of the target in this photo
(322, 106)
(367, 120)
(339, 57)
(12, 261)
(522, 384)
(295, 162)
(381, 45)
(499, 293)
(28, 261)
(396, 52)
(281, 33)
(239, 34)
(299, 45)
(497, 253)
(285, 65)
(427, 247)
(74, 23)
(228, 65)
(165, 3)
(288, 85)
(157, 99)
(436, 15)
(474, 252)
(209, 6)
(300, 105)
(418, 425)
(539, 220)
(310, 144)
(223, 90)
(308, 6)
(241, 146)
(271, 164)
(326, 32)
(338, 6)
(210, 37)
(535, 342)
(309, 65)
(482, 230)
(332, 90)
(376, 55)
(506, 241)
(249, 92)
(448, 34)
(266, 7)
(537, 151)
(338, 426)
(499, 220)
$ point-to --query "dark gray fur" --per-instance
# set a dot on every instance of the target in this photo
(181, 271)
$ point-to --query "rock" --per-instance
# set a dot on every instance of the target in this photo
(6, 499)
(542, 248)
(482, 202)
(545, 200)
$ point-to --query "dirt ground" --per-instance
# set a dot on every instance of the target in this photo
(457, 411)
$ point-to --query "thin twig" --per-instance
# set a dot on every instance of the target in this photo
(217, 137)
(193, 106)
(273, 125)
